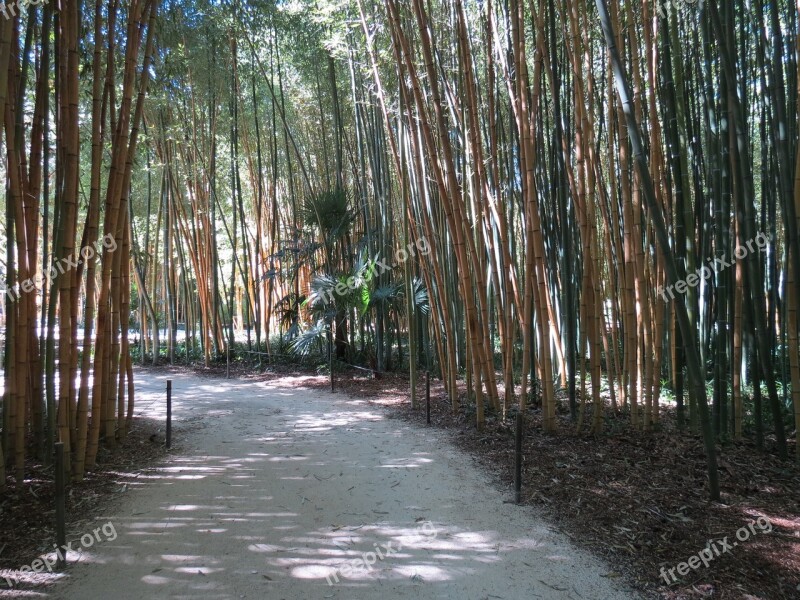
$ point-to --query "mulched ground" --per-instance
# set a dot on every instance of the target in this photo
(637, 499)
(27, 513)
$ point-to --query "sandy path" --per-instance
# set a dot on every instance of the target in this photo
(272, 489)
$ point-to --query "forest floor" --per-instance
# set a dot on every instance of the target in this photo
(275, 489)
(27, 513)
(637, 499)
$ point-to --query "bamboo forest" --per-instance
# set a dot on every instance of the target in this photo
(400, 298)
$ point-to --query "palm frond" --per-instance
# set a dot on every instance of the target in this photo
(292, 332)
(419, 296)
(323, 291)
(289, 309)
(330, 212)
(305, 342)
(387, 293)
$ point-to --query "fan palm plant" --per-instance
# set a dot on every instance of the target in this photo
(329, 299)
(388, 300)
(331, 214)
(331, 296)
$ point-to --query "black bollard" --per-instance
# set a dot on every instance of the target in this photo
(428, 395)
(61, 502)
(518, 459)
(169, 413)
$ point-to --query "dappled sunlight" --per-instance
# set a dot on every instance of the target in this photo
(156, 580)
(263, 548)
(412, 554)
(428, 573)
(192, 507)
(286, 458)
(279, 497)
(26, 579)
(185, 558)
(558, 557)
(153, 525)
(313, 572)
(408, 463)
(328, 421)
(200, 570)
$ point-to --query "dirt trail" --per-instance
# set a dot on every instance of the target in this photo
(274, 490)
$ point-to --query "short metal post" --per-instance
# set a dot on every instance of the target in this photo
(330, 357)
(61, 501)
(518, 459)
(169, 413)
(428, 395)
